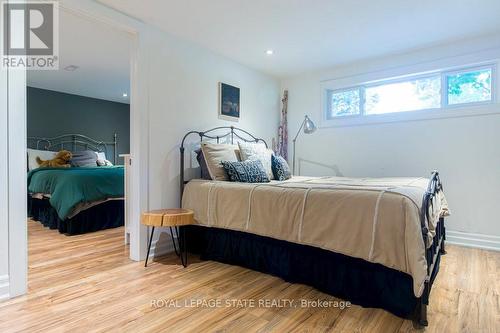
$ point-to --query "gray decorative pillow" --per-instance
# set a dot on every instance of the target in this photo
(203, 164)
(85, 158)
(280, 167)
(246, 171)
(257, 151)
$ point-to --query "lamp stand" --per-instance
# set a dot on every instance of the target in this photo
(293, 164)
(294, 141)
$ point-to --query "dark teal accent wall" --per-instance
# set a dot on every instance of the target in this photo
(52, 113)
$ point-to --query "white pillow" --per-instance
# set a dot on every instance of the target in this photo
(101, 155)
(43, 154)
(257, 151)
(101, 159)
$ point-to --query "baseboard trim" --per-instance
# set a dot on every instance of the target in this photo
(479, 241)
(4, 287)
(165, 246)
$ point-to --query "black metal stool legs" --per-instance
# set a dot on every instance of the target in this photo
(173, 240)
(181, 240)
(149, 246)
(181, 252)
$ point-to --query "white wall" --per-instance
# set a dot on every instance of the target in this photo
(465, 150)
(174, 89)
(183, 95)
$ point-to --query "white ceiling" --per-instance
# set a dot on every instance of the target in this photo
(311, 34)
(102, 54)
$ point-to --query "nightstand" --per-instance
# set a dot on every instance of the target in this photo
(172, 218)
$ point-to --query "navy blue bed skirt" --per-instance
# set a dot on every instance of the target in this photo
(109, 214)
(356, 280)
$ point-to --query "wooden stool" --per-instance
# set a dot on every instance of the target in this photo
(174, 217)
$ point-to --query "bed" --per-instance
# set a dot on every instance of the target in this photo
(374, 242)
(76, 200)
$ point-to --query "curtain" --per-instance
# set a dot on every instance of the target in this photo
(282, 148)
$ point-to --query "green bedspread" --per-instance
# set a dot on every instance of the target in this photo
(69, 187)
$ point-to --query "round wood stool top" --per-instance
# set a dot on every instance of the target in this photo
(168, 217)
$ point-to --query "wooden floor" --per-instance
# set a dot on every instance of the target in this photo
(87, 284)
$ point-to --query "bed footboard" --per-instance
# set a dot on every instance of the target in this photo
(437, 248)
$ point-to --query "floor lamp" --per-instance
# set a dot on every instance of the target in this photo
(309, 127)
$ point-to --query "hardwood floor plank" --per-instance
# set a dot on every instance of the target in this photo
(86, 283)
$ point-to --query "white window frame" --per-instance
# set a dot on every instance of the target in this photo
(444, 111)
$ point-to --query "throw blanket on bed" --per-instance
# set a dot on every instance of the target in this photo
(70, 187)
(377, 220)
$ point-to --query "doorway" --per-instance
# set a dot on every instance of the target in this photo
(16, 152)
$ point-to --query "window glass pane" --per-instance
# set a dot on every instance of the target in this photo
(404, 96)
(469, 87)
(344, 103)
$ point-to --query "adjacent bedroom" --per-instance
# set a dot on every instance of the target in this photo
(78, 139)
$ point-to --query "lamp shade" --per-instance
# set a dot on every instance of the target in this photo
(309, 126)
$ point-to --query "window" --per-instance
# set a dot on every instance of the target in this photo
(419, 92)
(344, 103)
(403, 96)
(469, 87)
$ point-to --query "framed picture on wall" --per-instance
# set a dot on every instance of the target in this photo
(229, 102)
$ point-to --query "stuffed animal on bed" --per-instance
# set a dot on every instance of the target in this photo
(61, 160)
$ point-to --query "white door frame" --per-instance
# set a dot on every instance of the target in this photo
(16, 184)
(14, 188)
(139, 142)
(4, 188)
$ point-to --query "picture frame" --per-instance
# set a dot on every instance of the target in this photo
(229, 102)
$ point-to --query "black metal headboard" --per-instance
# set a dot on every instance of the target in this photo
(217, 133)
(74, 142)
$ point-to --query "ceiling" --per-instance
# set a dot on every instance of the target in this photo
(311, 34)
(101, 53)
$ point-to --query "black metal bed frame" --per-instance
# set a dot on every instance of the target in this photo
(74, 142)
(211, 134)
(432, 253)
(437, 248)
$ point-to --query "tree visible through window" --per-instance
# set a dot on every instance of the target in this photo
(469, 87)
(344, 103)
